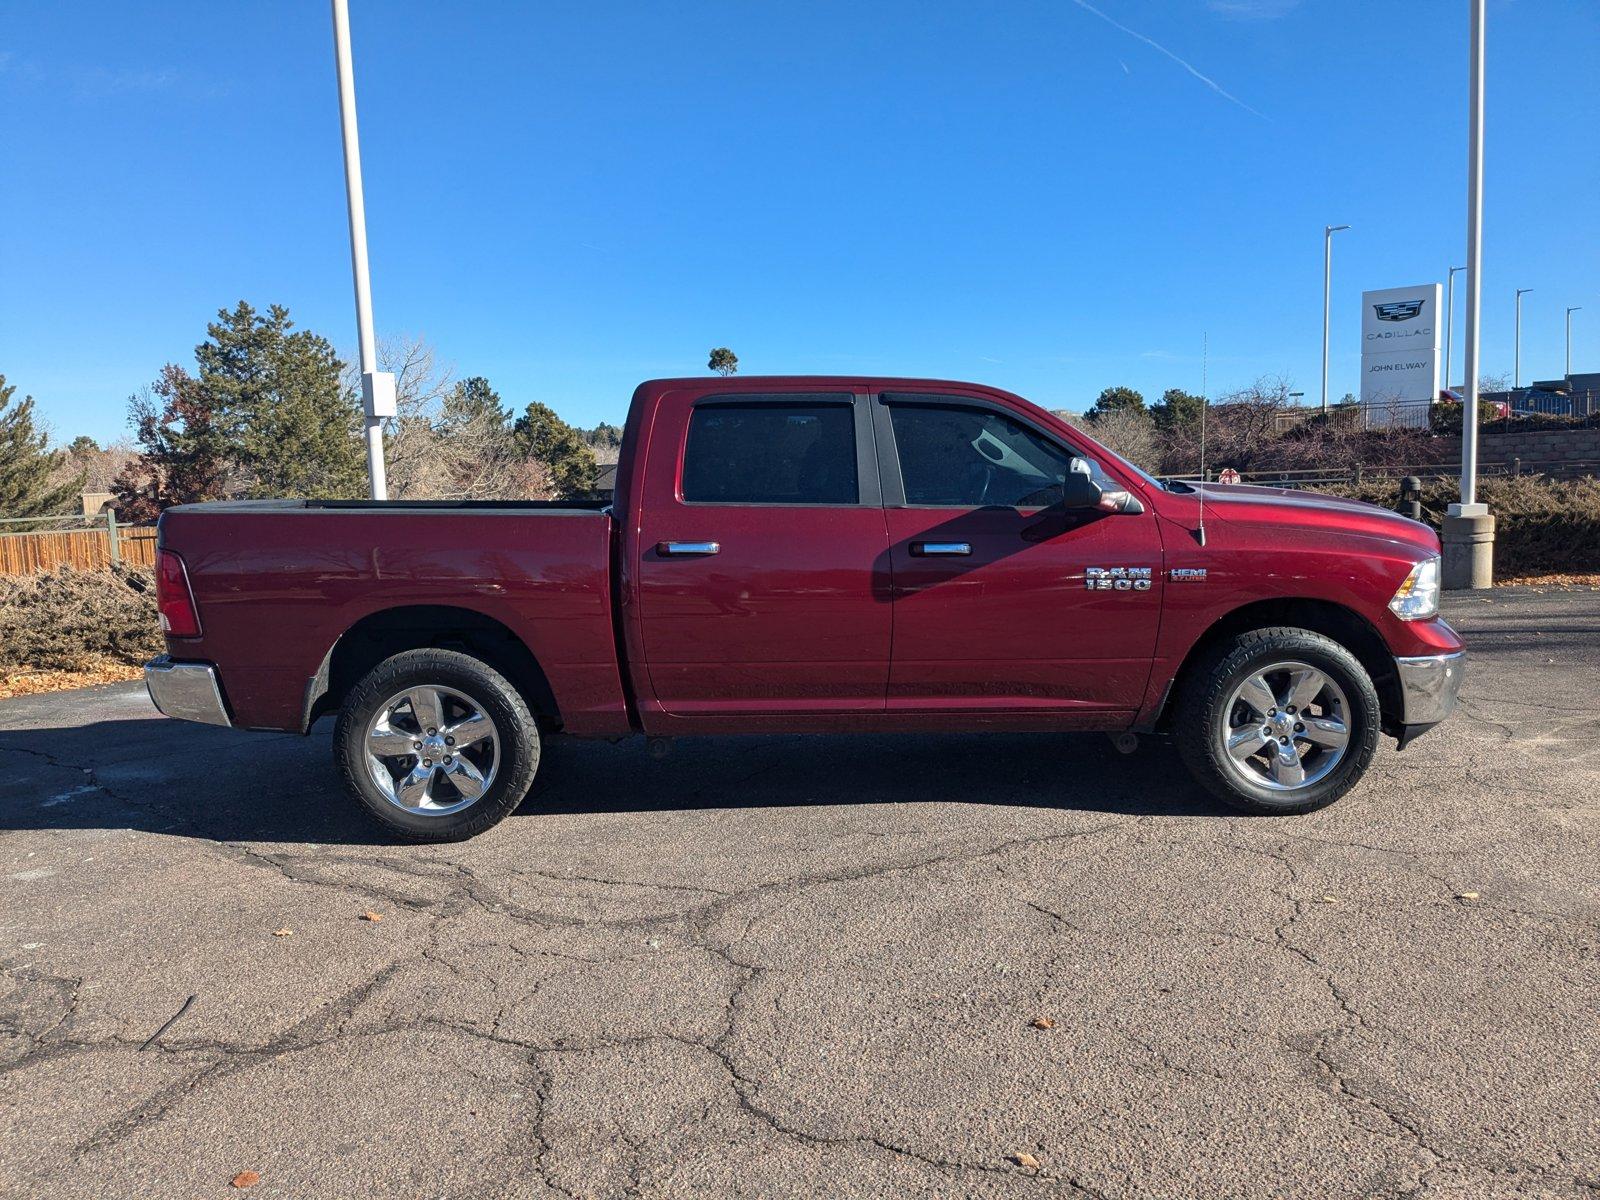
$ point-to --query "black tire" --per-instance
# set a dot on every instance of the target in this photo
(516, 755)
(1201, 721)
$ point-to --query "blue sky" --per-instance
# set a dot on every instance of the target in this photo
(1047, 196)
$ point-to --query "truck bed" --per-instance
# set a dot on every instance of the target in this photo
(280, 583)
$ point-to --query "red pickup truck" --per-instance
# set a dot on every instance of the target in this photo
(813, 555)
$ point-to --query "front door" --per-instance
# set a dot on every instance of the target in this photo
(993, 608)
(763, 585)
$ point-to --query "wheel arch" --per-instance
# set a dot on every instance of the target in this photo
(390, 631)
(1336, 621)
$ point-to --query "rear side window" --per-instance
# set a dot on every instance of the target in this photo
(970, 458)
(802, 453)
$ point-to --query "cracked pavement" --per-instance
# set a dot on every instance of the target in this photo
(788, 966)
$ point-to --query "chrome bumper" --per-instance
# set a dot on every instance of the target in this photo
(1429, 686)
(186, 690)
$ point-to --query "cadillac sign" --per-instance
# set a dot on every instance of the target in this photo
(1400, 337)
(1398, 310)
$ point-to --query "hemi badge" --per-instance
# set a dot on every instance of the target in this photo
(1188, 575)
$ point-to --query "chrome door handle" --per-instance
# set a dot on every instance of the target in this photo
(940, 549)
(687, 549)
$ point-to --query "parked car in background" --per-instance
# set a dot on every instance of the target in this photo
(1540, 402)
(813, 555)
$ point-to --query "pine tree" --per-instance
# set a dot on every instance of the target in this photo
(1175, 409)
(278, 399)
(27, 465)
(471, 401)
(546, 437)
(1117, 399)
(603, 435)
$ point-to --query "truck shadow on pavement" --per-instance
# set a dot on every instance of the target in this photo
(225, 785)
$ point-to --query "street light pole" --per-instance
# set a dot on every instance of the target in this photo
(377, 388)
(1570, 311)
(1468, 533)
(1516, 356)
(1327, 290)
(1450, 323)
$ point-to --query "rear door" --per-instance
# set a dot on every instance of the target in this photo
(993, 605)
(763, 557)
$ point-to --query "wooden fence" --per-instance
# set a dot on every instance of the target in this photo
(35, 551)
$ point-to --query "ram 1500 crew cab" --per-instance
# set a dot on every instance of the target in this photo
(813, 555)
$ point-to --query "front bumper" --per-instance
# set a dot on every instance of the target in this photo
(188, 691)
(1429, 686)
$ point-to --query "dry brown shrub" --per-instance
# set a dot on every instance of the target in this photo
(1542, 525)
(70, 620)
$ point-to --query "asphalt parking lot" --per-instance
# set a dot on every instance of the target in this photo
(813, 967)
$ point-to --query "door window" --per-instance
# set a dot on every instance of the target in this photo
(802, 453)
(971, 458)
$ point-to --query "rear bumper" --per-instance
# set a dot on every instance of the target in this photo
(1429, 687)
(189, 691)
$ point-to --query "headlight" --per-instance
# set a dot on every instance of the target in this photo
(1418, 596)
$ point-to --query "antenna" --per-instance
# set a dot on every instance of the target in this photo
(1205, 361)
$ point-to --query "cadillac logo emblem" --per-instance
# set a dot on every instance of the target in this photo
(1399, 310)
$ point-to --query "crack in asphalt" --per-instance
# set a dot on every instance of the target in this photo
(327, 1024)
(1336, 1080)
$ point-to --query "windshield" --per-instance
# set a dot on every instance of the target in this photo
(1108, 452)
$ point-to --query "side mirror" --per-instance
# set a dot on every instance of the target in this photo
(1079, 490)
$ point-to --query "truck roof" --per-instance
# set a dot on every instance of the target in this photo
(773, 383)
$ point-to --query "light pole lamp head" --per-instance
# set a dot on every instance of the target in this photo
(1329, 230)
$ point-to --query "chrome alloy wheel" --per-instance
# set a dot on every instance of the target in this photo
(432, 750)
(1287, 726)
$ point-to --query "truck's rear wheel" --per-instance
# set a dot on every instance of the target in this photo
(436, 745)
(1278, 720)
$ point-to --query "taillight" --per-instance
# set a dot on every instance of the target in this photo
(174, 598)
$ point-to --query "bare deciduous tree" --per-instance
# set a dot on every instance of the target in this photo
(436, 451)
(1128, 431)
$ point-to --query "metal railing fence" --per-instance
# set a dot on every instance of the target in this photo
(1498, 412)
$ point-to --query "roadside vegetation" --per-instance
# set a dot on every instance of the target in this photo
(73, 628)
(1543, 526)
(1256, 428)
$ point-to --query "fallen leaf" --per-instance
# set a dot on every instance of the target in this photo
(246, 1179)
(369, 915)
(1023, 1159)
(283, 933)
(1466, 895)
(1044, 1023)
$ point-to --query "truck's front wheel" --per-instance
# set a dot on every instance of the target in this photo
(1278, 720)
(436, 745)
